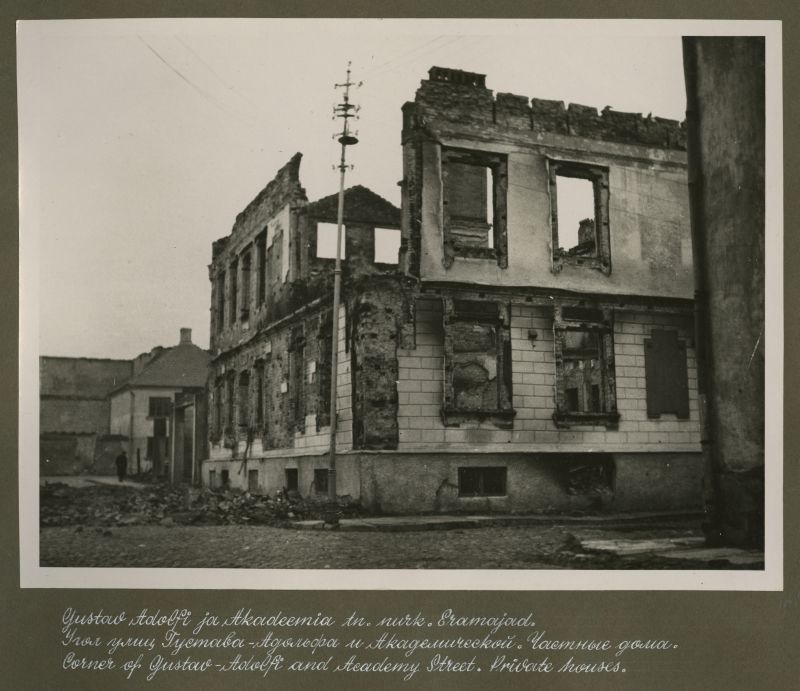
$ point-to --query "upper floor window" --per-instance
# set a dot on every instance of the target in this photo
(579, 215)
(474, 187)
(221, 301)
(234, 289)
(261, 259)
(326, 241)
(387, 245)
(245, 308)
(158, 406)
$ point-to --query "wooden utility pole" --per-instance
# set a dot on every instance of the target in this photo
(344, 110)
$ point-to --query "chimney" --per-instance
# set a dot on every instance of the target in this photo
(186, 336)
(457, 77)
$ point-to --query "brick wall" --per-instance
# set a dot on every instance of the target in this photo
(285, 431)
(533, 382)
(73, 415)
(83, 377)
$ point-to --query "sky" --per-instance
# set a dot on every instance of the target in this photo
(141, 140)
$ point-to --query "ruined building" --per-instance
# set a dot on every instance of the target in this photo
(272, 284)
(532, 350)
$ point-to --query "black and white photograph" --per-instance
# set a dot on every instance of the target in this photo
(400, 304)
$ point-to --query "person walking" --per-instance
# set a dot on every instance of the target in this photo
(122, 466)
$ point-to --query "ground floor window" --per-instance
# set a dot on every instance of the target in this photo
(252, 480)
(666, 374)
(291, 479)
(482, 482)
(584, 355)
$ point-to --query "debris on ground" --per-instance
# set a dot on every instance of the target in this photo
(167, 505)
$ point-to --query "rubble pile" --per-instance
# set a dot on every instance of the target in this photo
(109, 505)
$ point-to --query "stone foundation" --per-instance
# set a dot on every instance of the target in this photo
(410, 483)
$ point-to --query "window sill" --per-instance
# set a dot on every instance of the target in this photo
(569, 419)
(503, 419)
(474, 252)
(599, 263)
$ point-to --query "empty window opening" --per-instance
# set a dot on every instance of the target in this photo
(234, 289)
(474, 204)
(291, 479)
(590, 477)
(245, 308)
(482, 482)
(579, 211)
(326, 241)
(244, 399)
(212, 479)
(387, 245)
(225, 479)
(218, 389)
(252, 480)
(321, 480)
(261, 258)
(230, 386)
(584, 353)
(583, 371)
(221, 301)
(576, 216)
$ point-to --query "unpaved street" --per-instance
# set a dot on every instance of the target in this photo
(264, 547)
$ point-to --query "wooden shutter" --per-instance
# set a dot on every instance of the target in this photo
(666, 374)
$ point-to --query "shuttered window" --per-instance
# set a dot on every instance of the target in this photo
(666, 374)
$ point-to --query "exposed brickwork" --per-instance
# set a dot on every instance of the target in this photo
(376, 316)
(462, 102)
(271, 326)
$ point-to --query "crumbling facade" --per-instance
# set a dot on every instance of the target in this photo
(532, 351)
(272, 283)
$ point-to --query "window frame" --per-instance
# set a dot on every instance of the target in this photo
(601, 322)
(456, 311)
(598, 176)
(478, 470)
(159, 406)
(498, 167)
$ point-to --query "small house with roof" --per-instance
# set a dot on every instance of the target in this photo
(156, 408)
